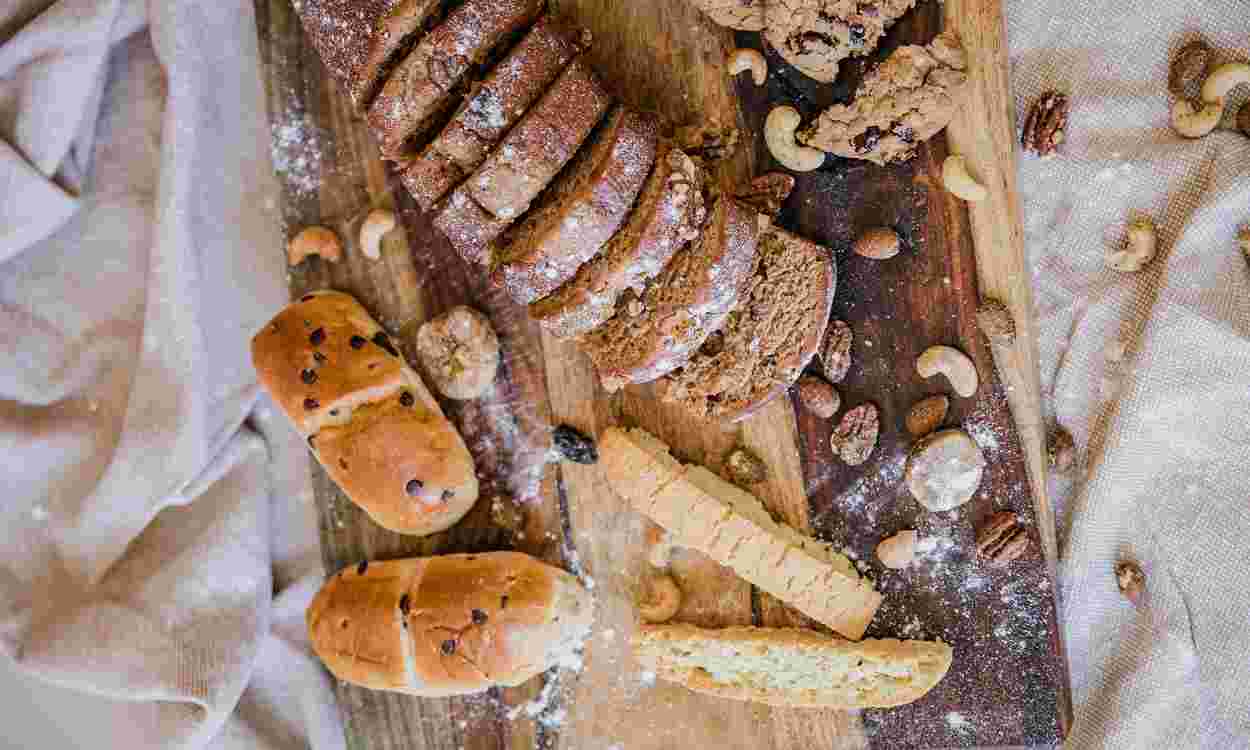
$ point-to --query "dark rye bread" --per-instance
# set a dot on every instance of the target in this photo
(470, 228)
(490, 109)
(545, 139)
(358, 40)
(670, 212)
(581, 210)
(649, 337)
(767, 340)
(421, 86)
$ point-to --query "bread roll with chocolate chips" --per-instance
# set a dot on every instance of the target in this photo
(448, 625)
(366, 414)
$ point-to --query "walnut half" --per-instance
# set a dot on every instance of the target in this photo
(1046, 126)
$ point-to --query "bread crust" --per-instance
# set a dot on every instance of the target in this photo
(893, 672)
(366, 415)
(447, 625)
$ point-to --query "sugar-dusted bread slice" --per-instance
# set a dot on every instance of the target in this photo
(422, 85)
(358, 40)
(581, 210)
(469, 228)
(670, 212)
(706, 513)
(768, 340)
(652, 335)
(791, 667)
(490, 109)
(545, 139)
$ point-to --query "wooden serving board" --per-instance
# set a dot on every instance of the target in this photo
(1008, 686)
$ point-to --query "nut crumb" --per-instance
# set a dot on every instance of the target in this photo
(745, 467)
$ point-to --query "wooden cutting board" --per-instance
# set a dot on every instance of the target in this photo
(1008, 686)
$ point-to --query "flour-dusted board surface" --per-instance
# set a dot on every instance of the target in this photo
(1008, 685)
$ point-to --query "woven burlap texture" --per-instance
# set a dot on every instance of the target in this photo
(1150, 371)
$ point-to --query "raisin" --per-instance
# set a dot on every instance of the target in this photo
(317, 337)
(357, 342)
(406, 399)
(382, 340)
(308, 376)
(305, 298)
(503, 602)
(448, 647)
(413, 487)
(362, 567)
(904, 133)
(866, 141)
(448, 494)
(404, 604)
(311, 403)
(319, 358)
(575, 446)
(479, 617)
(858, 32)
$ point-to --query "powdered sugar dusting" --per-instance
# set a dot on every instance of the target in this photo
(295, 149)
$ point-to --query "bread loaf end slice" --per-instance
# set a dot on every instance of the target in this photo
(792, 667)
(706, 513)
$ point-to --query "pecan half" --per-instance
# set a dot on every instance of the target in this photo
(1189, 69)
(1002, 539)
(767, 192)
(855, 437)
(1047, 123)
(1131, 580)
(835, 353)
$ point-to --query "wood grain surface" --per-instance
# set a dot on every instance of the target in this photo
(1008, 686)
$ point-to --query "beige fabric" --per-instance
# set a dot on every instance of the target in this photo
(1151, 372)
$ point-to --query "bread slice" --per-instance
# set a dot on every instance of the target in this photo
(790, 667)
(545, 139)
(358, 40)
(670, 212)
(423, 83)
(706, 513)
(581, 210)
(652, 335)
(768, 340)
(469, 228)
(490, 109)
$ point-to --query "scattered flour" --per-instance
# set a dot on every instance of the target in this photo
(958, 722)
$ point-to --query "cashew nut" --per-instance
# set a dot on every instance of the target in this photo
(779, 135)
(661, 600)
(314, 240)
(952, 363)
(376, 225)
(1140, 247)
(1192, 122)
(956, 178)
(1223, 80)
(898, 551)
(752, 60)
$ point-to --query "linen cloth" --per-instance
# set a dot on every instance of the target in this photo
(1150, 371)
(154, 502)
(152, 505)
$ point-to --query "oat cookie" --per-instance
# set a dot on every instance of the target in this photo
(904, 102)
(815, 35)
(744, 15)
(459, 352)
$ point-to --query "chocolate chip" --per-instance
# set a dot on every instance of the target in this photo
(479, 617)
(357, 342)
(343, 464)
(904, 133)
(319, 358)
(305, 298)
(503, 602)
(866, 141)
(413, 487)
(404, 604)
(334, 412)
(317, 337)
(857, 32)
(362, 567)
(308, 376)
(383, 341)
(448, 494)
(448, 647)
(406, 399)
(311, 403)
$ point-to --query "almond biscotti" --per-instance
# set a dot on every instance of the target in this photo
(703, 512)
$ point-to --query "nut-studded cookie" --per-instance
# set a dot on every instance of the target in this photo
(743, 15)
(904, 102)
(815, 35)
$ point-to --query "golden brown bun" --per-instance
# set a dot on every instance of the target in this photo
(368, 417)
(448, 625)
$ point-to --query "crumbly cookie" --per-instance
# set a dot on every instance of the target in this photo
(815, 35)
(909, 99)
(744, 15)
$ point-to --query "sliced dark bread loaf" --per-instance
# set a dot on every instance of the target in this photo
(423, 83)
(545, 139)
(669, 213)
(470, 228)
(358, 40)
(767, 340)
(649, 337)
(581, 210)
(490, 109)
